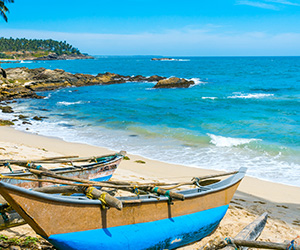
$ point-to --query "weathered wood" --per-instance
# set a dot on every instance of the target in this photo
(160, 191)
(263, 244)
(61, 189)
(251, 231)
(63, 159)
(254, 229)
(105, 198)
(90, 192)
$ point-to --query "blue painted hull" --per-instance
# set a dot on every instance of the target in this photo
(103, 178)
(162, 234)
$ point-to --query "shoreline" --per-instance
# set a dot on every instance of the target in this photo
(9, 134)
(254, 196)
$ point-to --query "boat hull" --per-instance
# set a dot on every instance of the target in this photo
(93, 172)
(162, 234)
(144, 222)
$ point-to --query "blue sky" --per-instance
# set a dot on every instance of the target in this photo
(164, 27)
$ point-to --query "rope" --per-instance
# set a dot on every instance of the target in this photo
(7, 164)
(228, 240)
(38, 167)
(167, 194)
(136, 191)
(196, 181)
(292, 244)
(102, 199)
(89, 192)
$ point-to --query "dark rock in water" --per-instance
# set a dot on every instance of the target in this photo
(174, 82)
(163, 59)
(138, 78)
(25, 122)
(5, 123)
(23, 117)
(6, 109)
(37, 118)
(155, 78)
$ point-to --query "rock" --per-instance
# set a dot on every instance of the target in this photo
(155, 78)
(21, 117)
(6, 123)
(163, 59)
(6, 109)
(174, 82)
(55, 56)
(138, 78)
(25, 122)
(37, 118)
(24, 83)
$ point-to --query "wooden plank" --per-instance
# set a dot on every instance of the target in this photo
(265, 245)
(251, 231)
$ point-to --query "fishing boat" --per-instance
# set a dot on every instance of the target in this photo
(100, 169)
(144, 222)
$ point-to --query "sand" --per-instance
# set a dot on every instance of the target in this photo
(254, 196)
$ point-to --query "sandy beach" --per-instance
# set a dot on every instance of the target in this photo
(254, 196)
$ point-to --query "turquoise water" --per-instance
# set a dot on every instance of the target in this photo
(243, 111)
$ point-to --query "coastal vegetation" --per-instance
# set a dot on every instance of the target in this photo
(22, 48)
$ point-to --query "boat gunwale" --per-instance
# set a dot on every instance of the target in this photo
(70, 169)
(190, 193)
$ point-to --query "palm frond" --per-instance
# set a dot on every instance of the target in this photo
(2, 13)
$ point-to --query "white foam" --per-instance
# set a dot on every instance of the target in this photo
(48, 96)
(209, 97)
(71, 103)
(222, 154)
(25, 61)
(250, 96)
(197, 81)
(221, 141)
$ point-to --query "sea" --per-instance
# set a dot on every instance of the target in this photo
(241, 112)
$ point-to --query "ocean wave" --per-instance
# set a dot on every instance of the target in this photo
(25, 61)
(250, 96)
(221, 141)
(209, 97)
(71, 103)
(48, 96)
(196, 80)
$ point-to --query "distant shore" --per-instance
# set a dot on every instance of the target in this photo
(253, 197)
(49, 57)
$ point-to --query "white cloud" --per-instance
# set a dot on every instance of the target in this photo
(174, 42)
(258, 4)
(283, 2)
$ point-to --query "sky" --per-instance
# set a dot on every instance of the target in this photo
(161, 27)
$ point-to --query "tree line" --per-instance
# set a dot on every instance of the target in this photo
(34, 45)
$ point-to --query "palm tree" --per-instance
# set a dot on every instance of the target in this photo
(4, 9)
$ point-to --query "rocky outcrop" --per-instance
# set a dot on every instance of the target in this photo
(174, 82)
(55, 56)
(162, 59)
(24, 83)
